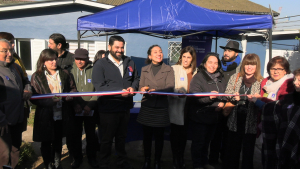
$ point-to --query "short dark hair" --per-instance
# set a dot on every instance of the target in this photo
(46, 54)
(281, 61)
(192, 52)
(112, 40)
(98, 55)
(148, 61)
(296, 72)
(59, 38)
(6, 35)
(206, 58)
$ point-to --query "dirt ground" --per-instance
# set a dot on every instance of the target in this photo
(134, 150)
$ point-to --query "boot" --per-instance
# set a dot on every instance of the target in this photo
(175, 162)
(157, 164)
(147, 163)
(46, 158)
(57, 163)
(181, 163)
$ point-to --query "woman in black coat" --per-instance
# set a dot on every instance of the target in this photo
(204, 111)
(51, 114)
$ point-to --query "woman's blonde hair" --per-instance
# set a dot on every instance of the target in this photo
(251, 59)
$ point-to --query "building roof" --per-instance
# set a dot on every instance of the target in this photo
(230, 6)
(10, 5)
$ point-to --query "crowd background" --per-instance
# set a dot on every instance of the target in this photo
(223, 128)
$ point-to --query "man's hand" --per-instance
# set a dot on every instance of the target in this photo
(55, 99)
(27, 95)
(3, 128)
(183, 92)
(77, 109)
(129, 89)
(69, 98)
(86, 110)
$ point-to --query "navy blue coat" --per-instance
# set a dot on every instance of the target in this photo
(106, 77)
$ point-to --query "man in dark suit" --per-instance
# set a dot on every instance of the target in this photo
(115, 72)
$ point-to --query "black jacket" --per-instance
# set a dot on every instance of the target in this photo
(106, 77)
(65, 61)
(43, 129)
(202, 109)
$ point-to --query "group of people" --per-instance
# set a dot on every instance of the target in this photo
(258, 105)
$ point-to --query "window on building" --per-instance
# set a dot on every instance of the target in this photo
(24, 52)
(174, 49)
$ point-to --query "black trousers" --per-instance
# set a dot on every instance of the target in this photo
(219, 141)
(158, 133)
(201, 137)
(237, 142)
(51, 147)
(178, 138)
(113, 125)
(91, 139)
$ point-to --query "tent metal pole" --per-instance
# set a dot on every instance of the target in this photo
(78, 37)
(216, 41)
(106, 41)
(270, 44)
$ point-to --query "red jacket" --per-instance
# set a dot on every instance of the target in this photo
(286, 88)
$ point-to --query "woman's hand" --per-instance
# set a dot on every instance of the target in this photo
(151, 90)
(213, 97)
(237, 98)
(252, 98)
(258, 96)
(145, 88)
(220, 106)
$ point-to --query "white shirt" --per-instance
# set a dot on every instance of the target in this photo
(119, 65)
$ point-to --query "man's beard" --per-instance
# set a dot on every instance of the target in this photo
(231, 59)
(114, 54)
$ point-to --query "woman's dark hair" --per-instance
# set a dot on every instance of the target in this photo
(201, 66)
(251, 59)
(6, 35)
(296, 72)
(59, 38)
(148, 61)
(192, 52)
(46, 54)
(281, 61)
(98, 55)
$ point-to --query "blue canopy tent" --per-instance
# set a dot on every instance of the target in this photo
(169, 19)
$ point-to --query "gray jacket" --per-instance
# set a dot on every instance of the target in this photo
(84, 84)
(12, 109)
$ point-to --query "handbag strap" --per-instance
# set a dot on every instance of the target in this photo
(237, 78)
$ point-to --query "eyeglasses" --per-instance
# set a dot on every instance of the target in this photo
(276, 69)
(11, 51)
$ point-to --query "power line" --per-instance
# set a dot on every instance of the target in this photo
(287, 22)
(287, 17)
(287, 26)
